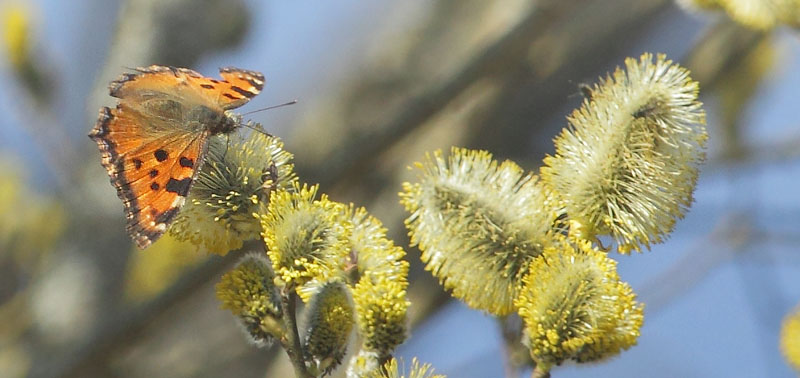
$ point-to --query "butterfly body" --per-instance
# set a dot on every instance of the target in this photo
(154, 141)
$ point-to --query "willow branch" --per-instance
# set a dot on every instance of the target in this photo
(292, 341)
(350, 160)
(540, 373)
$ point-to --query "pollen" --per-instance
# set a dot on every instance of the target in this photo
(307, 237)
(627, 163)
(479, 223)
(230, 187)
(574, 305)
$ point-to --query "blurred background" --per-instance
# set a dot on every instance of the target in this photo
(379, 84)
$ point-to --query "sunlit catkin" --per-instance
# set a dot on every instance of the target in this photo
(394, 369)
(479, 223)
(329, 322)
(575, 307)
(236, 181)
(627, 164)
(790, 339)
(379, 291)
(307, 238)
(363, 363)
(249, 293)
(755, 14)
(16, 23)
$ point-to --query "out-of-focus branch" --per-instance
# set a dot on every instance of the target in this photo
(721, 48)
(580, 47)
(730, 234)
(175, 32)
(126, 326)
(779, 151)
(171, 32)
(362, 149)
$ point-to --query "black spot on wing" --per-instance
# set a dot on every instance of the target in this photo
(161, 155)
(155, 186)
(137, 163)
(180, 187)
(153, 173)
(207, 86)
(186, 162)
(243, 92)
(230, 96)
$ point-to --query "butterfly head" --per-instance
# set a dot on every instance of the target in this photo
(216, 122)
(230, 122)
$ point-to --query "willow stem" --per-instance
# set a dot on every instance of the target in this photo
(511, 344)
(292, 337)
(538, 372)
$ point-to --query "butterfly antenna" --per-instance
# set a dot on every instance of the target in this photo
(271, 107)
(258, 129)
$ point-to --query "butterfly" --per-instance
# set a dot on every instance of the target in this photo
(153, 143)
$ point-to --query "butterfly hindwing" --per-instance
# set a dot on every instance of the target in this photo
(152, 173)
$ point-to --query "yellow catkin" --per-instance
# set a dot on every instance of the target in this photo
(237, 179)
(329, 322)
(790, 338)
(307, 238)
(479, 223)
(249, 293)
(379, 291)
(575, 307)
(627, 164)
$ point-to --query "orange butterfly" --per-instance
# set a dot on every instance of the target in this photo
(154, 142)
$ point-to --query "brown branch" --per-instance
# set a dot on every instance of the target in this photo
(291, 343)
(540, 373)
(126, 326)
(361, 149)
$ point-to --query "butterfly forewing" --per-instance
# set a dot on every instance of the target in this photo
(239, 86)
(235, 89)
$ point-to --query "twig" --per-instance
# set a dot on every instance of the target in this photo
(538, 372)
(292, 343)
(511, 329)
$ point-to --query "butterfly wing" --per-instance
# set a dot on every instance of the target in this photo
(235, 89)
(154, 141)
(239, 86)
(152, 172)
